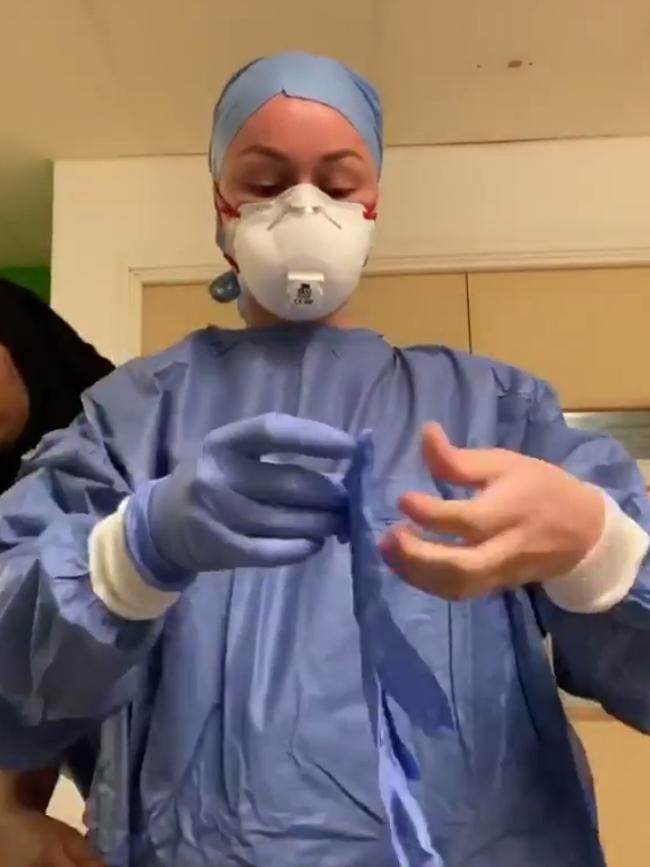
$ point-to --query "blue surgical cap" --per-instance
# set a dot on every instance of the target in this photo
(305, 76)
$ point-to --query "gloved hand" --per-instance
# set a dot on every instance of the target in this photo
(228, 509)
(30, 839)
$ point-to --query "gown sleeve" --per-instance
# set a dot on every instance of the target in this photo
(66, 661)
(604, 657)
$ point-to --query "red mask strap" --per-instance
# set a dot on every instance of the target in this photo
(232, 263)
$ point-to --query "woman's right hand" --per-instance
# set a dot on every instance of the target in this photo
(229, 508)
(31, 839)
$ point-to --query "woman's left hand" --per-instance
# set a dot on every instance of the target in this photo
(530, 521)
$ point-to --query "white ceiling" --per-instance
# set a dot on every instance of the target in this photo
(106, 78)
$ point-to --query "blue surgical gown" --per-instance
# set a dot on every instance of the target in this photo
(233, 731)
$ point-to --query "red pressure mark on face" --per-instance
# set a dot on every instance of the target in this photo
(370, 213)
(227, 210)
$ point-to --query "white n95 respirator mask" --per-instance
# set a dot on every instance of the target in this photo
(300, 255)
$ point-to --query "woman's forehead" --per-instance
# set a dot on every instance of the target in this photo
(297, 127)
(300, 76)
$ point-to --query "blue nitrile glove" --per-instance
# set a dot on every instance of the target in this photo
(227, 508)
(393, 672)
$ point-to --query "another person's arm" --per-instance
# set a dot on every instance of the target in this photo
(31, 790)
(28, 838)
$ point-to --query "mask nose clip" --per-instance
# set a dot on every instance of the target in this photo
(300, 210)
(306, 209)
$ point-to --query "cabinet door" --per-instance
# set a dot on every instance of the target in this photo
(584, 331)
(414, 308)
(620, 763)
(171, 311)
(409, 309)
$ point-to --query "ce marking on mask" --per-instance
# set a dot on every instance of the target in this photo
(304, 295)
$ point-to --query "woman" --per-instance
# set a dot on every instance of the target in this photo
(184, 564)
(44, 368)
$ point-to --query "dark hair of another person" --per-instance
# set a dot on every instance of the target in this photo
(55, 364)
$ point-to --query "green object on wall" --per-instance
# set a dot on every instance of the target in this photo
(36, 279)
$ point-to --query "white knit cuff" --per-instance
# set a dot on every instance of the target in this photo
(606, 575)
(114, 578)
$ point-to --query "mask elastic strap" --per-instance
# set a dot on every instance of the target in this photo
(226, 287)
(231, 262)
(226, 210)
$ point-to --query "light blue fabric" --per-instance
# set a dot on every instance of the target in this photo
(226, 507)
(235, 730)
(305, 76)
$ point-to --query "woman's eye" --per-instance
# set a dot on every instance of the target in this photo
(266, 191)
(338, 192)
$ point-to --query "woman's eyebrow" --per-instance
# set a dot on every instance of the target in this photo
(342, 154)
(265, 151)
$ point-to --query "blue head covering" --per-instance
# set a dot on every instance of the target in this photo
(305, 76)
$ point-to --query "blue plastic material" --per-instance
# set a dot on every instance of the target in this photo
(392, 670)
(227, 507)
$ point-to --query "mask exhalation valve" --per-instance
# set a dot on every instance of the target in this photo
(304, 289)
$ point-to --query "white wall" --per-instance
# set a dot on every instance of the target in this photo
(66, 805)
(467, 207)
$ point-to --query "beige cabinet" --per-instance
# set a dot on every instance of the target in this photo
(171, 311)
(409, 309)
(585, 331)
(414, 308)
(620, 763)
